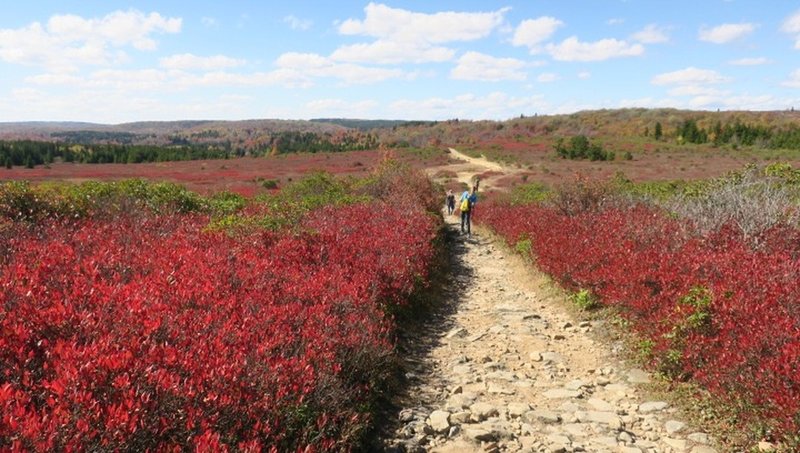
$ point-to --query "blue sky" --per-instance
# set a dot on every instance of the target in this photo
(112, 61)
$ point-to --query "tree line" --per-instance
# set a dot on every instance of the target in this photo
(30, 153)
(737, 134)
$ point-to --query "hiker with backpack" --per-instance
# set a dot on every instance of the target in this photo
(468, 201)
(451, 202)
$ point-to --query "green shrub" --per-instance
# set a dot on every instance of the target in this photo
(584, 300)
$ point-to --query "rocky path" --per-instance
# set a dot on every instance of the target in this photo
(512, 370)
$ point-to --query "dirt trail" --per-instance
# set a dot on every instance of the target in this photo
(505, 367)
(470, 167)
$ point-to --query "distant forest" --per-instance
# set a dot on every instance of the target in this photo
(83, 147)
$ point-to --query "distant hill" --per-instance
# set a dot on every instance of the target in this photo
(263, 135)
(365, 124)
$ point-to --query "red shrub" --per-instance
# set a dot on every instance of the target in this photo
(147, 333)
(716, 309)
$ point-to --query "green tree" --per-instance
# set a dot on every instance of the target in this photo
(658, 132)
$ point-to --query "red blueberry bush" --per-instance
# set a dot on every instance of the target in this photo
(712, 307)
(150, 331)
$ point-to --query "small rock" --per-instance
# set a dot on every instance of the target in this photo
(460, 417)
(558, 440)
(566, 325)
(559, 337)
(700, 438)
(482, 411)
(440, 421)
(456, 390)
(575, 385)
(678, 444)
(601, 405)
(479, 435)
(638, 376)
(652, 406)
(542, 416)
(584, 324)
(607, 418)
(457, 332)
(406, 415)
(766, 446)
(674, 426)
(535, 356)
(561, 393)
(516, 410)
(626, 437)
(702, 449)
(630, 450)
(453, 431)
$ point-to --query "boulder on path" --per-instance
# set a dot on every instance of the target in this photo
(440, 421)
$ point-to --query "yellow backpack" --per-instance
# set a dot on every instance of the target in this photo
(465, 205)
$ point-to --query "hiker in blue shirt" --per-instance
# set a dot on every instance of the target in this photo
(467, 204)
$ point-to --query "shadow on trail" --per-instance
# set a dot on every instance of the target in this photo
(420, 331)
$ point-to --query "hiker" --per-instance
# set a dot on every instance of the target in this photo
(451, 202)
(468, 201)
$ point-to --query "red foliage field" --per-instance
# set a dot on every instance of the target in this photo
(240, 175)
(713, 308)
(148, 332)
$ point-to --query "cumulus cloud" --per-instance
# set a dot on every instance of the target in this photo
(296, 23)
(392, 52)
(307, 65)
(478, 66)
(725, 33)
(547, 77)
(382, 21)
(407, 36)
(690, 75)
(793, 81)
(531, 33)
(571, 49)
(651, 34)
(749, 61)
(341, 108)
(584, 75)
(791, 25)
(67, 41)
(496, 106)
(188, 61)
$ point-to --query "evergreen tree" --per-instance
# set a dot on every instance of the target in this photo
(658, 132)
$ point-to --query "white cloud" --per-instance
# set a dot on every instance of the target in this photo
(392, 52)
(189, 61)
(791, 25)
(478, 66)
(404, 36)
(741, 102)
(296, 23)
(615, 21)
(547, 77)
(396, 24)
(725, 33)
(689, 76)
(749, 61)
(497, 106)
(651, 34)
(696, 90)
(306, 65)
(209, 22)
(69, 40)
(341, 108)
(531, 33)
(793, 81)
(571, 49)
(584, 75)
(648, 102)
